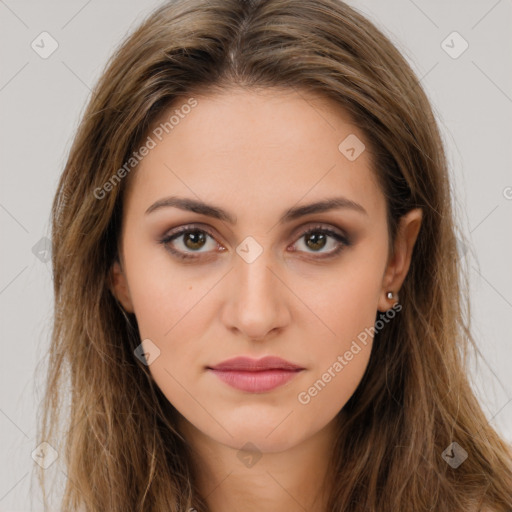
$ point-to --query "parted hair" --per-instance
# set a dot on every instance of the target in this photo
(102, 411)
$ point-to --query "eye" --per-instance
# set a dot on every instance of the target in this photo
(193, 239)
(318, 237)
(187, 242)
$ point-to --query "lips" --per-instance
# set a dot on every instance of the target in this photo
(248, 364)
(255, 375)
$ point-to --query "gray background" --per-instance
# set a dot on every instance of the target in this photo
(41, 101)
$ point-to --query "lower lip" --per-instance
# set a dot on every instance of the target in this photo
(256, 381)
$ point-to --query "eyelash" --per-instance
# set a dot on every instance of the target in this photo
(342, 240)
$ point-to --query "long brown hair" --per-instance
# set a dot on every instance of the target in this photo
(121, 449)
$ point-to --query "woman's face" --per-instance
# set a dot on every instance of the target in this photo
(248, 281)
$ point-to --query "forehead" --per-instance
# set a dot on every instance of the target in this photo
(271, 144)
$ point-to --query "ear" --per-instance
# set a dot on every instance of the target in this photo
(119, 286)
(398, 266)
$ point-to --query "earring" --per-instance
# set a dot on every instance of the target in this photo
(391, 295)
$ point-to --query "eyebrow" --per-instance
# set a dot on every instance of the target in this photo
(289, 215)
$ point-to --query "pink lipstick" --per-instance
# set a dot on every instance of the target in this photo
(255, 375)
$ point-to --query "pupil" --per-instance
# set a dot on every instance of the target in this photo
(316, 237)
(195, 237)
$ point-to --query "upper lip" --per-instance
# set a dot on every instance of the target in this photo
(249, 364)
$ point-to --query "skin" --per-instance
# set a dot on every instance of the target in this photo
(257, 154)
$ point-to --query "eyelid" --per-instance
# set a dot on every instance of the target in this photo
(295, 232)
(313, 226)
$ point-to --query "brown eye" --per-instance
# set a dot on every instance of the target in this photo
(318, 238)
(189, 240)
(194, 240)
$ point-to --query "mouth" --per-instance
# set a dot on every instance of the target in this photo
(256, 376)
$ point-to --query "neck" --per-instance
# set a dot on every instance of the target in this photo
(231, 479)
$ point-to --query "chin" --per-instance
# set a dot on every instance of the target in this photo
(258, 442)
(266, 439)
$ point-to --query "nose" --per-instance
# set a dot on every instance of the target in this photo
(256, 303)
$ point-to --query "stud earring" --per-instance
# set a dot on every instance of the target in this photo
(391, 296)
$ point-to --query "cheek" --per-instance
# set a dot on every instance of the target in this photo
(172, 304)
(343, 303)
(340, 360)
(163, 293)
(348, 309)
(329, 390)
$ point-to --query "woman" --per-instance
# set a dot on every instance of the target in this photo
(257, 289)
